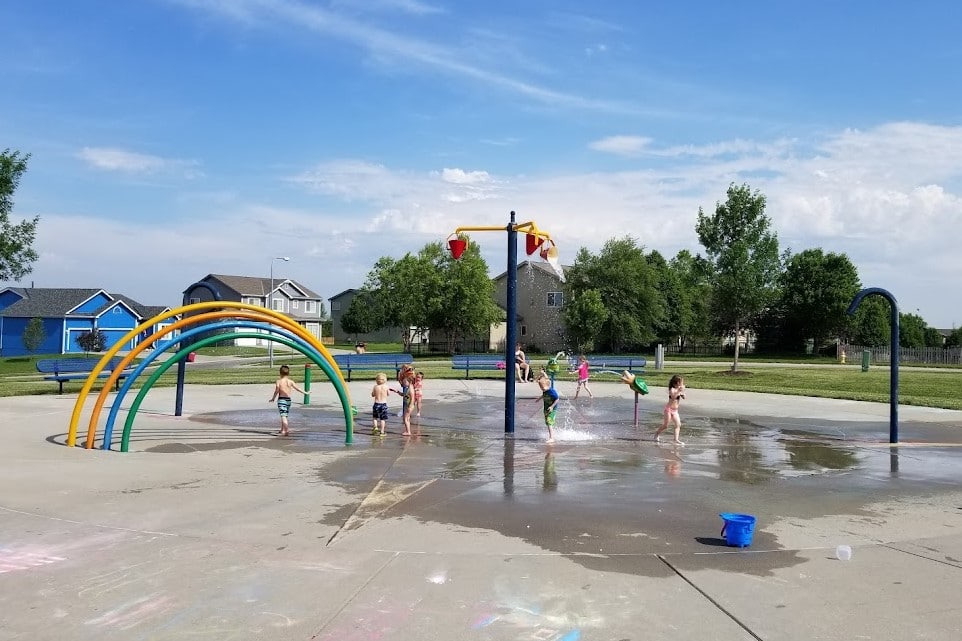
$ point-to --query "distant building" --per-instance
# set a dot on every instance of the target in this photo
(287, 296)
(67, 313)
(339, 305)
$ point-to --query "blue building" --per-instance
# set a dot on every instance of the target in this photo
(66, 314)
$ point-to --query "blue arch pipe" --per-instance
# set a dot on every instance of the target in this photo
(205, 328)
(894, 364)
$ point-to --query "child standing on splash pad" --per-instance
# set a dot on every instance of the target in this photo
(418, 391)
(283, 389)
(549, 396)
(379, 410)
(676, 392)
(583, 373)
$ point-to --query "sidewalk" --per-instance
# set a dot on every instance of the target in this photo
(213, 528)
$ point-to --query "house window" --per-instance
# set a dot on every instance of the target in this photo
(556, 299)
(117, 310)
(335, 305)
(193, 301)
(252, 301)
(277, 304)
(295, 304)
(524, 330)
(310, 307)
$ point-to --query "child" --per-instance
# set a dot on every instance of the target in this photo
(676, 391)
(583, 376)
(418, 391)
(406, 378)
(380, 393)
(549, 396)
(282, 394)
(522, 368)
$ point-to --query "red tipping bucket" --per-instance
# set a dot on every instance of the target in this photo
(457, 247)
(532, 242)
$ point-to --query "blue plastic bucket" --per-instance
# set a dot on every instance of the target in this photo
(738, 529)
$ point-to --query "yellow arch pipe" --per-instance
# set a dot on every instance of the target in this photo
(218, 304)
(190, 320)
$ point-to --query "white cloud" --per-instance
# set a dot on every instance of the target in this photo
(621, 145)
(888, 197)
(131, 162)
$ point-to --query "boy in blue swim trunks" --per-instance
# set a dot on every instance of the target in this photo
(549, 396)
(380, 393)
(283, 389)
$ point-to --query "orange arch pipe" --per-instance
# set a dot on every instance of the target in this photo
(190, 320)
(85, 390)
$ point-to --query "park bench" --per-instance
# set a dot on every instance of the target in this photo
(71, 369)
(616, 363)
(372, 362)
(478, 362)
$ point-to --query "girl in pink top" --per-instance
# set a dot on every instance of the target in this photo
(583, 376)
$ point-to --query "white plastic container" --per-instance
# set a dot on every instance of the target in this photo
(843, 553)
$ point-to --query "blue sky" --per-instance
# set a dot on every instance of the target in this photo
(207, 136)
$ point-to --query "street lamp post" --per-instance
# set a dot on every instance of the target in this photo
(270, 305)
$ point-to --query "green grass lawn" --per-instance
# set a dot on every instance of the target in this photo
(939, 388)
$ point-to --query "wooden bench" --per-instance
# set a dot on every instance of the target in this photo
(372, 362)
(71, 369)
(478, 362)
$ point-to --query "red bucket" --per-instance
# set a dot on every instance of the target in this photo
(457, 247)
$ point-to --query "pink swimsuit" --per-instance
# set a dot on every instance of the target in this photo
(583, 373)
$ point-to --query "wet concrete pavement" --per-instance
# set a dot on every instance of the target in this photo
(212, 527)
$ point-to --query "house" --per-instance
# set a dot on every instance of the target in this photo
(540, 327)
(67, 313)
(287, 296)
(339, 305)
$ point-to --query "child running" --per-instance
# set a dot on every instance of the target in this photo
(282, 394)
(406, 378)
(549, 396)
(676, 392)
(380, 393)
(583, 374)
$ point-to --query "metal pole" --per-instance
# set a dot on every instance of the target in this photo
(270, 305)
(512, 330)
(894, 364)
(307, 384)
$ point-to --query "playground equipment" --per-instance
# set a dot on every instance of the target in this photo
(303, 341)
(534, 239)
(894, 365)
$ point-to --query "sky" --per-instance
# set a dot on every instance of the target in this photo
(170, 139)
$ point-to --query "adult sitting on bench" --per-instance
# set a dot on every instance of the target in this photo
(522, 368)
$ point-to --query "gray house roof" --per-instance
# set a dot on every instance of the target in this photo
(543, 266)
(252, 286)
(56, 302)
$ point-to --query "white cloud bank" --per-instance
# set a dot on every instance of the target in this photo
(887, 197)
(131, 162)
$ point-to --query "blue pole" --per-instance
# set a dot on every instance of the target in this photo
(512, 330)
(894, 369)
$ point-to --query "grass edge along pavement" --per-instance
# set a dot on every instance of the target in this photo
(940, 388)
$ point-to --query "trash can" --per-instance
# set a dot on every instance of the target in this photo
(866, 359)
(191, 356)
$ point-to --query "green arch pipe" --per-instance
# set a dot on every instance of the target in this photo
(322, 363)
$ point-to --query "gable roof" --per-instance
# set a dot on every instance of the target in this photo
(255, 286)
(56, 302)
(540, 265)
(344, 293)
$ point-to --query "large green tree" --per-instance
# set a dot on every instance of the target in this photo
(871, 326)
(815, 291)
(742, 251)
(628, 287)
(584, 317)
(694, 313)
(955, 338)
(911, 330)
(361, 316)
(16, 241)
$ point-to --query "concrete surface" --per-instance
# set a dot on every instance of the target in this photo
(211, 527)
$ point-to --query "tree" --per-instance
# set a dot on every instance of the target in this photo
(462, 303)
(34, 335)
(911, 330)
(628, 287)
(361, 316)
(16, 241)
(815, 292)
(871, 326)
(955, 338)
(92, 341)
(742, 252)
(584, 317)
(694, 316)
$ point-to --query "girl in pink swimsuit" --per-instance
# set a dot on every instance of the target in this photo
(583, 373)
(676, 392)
